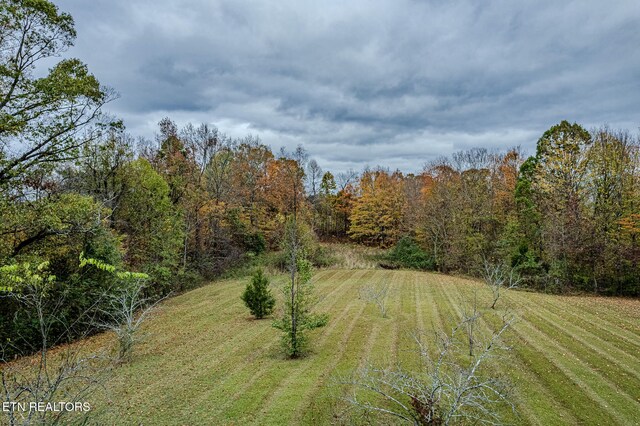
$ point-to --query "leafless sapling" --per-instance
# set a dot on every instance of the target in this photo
(498, 277)
(125, 312)
(376, 294)
(470, 316)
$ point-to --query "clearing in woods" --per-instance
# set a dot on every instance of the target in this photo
(574, 360)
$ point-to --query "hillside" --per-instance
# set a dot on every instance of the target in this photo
(573, 360)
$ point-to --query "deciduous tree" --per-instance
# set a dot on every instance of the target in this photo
(50, 118)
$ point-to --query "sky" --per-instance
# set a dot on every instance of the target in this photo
(393, 83)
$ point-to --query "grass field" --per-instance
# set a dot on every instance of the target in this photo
(575, 360)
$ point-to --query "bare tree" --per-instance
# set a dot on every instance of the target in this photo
(376, 294)
(314, 176)
(98, 172)
(125, 313)
(450, 387)
(499, 277)
(470, 316)
(250, 167)
(203, 143)
(346, 178)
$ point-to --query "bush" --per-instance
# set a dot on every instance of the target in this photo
(258, 297)
(185, 280)
(161, 280)
(322, 257)
(408, 254)
(255, 243)
(276, 260)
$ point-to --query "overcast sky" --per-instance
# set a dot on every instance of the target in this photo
(393, 83)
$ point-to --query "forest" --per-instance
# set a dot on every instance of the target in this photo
(194, 203)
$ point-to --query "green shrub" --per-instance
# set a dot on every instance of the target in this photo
(408, 254)
(255, 243)
(185, 280)
(322, 257)
(257, 296)
(276, 260)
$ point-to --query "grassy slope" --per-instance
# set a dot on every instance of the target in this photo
(574, 360)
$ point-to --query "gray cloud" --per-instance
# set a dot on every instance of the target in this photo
(395, 82)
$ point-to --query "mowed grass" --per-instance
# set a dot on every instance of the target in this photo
(574, 360)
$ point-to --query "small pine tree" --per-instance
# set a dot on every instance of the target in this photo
(257, 296)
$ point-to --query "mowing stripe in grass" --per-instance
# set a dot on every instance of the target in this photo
(268, 361)
(612, 334)
(610, 374)
(428, 294)
(558, 402)
(193, 345)
(209, 304)
(417, 293)
(339, 407)
(591, 384)
(197, 374)
(223, 309)
(621, 359)
(204, 298)
(605, 308)
(286, 396)
(438, 292)
(383, 350)
(328, 393)
(228, 317)
(235, 384)
(422, 303)
(447, 294)
(358, 345)
(410, 319)
(320, 380)
(353, 275)
(203, 351)
(452, 311)
(323, 277)
(233, 345)
(600, 316)
(395, 307)
(565, 370)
